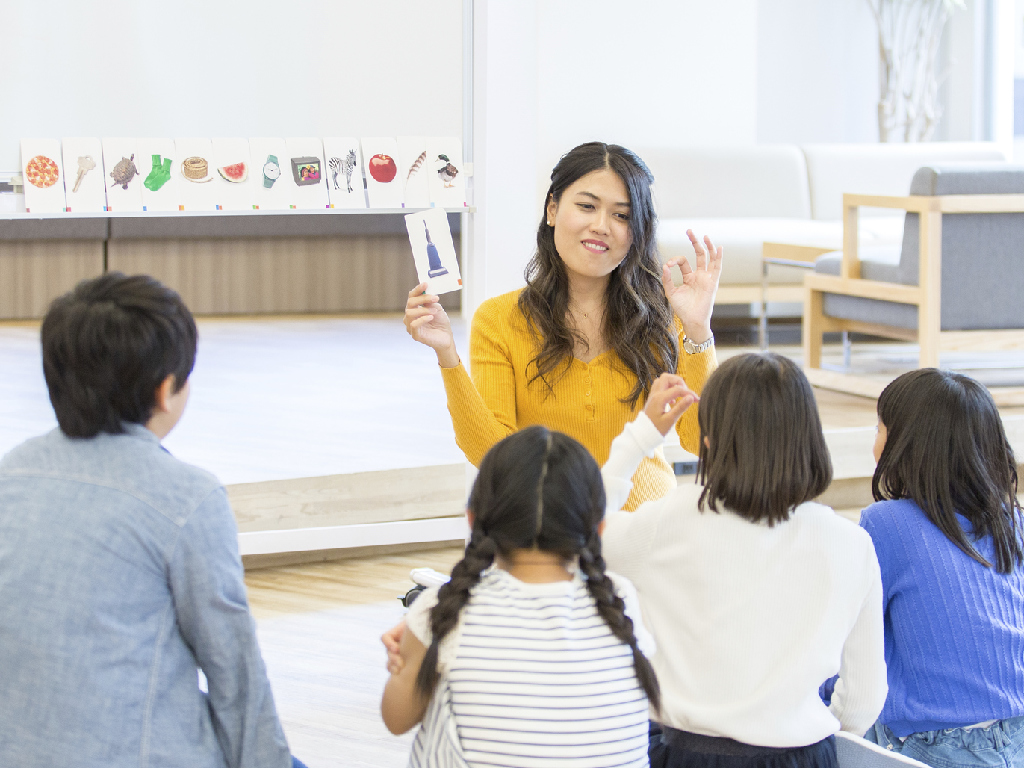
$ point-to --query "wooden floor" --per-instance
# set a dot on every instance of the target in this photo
(319, 628)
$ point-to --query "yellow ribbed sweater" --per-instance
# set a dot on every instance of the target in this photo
(586, 402)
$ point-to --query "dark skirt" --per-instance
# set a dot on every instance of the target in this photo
(670, 748)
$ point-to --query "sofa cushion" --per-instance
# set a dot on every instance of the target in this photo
(742, 241)
(878, 262)
(878, 169)
(767, 181)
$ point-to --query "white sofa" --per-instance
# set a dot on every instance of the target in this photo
(745, 196)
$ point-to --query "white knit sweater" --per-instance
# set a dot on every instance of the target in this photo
(749, 620)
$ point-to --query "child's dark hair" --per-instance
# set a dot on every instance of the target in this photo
(762, 451)
(945, 449)
(536, 488)
(107, 346)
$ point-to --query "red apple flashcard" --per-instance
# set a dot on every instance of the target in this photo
(384, 188)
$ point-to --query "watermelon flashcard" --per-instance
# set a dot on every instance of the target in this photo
(232, 184)
(156, 161)
(269, 187)
(344, 173)
(304, 168)
(195, 173)
(446, 174)
(41, 168)
(433, 250)
(384, 187)
(412, 171)
(84, 190)
(122, 175)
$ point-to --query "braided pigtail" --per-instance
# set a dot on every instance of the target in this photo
(451, 599)
(613, 610)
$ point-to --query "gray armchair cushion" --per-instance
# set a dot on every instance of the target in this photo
(982, 257)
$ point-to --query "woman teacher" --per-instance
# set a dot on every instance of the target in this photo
(599, 320)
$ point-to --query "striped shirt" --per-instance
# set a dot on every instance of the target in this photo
(537, 678)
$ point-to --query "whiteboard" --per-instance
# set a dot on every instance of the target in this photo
(320, 68)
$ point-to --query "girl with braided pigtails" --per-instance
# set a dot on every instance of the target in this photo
(532, 653)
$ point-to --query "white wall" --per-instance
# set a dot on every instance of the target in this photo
(228, 68)
(817, 72)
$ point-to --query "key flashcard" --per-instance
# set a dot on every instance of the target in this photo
(433, 250)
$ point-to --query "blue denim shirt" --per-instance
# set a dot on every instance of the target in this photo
(119, 578)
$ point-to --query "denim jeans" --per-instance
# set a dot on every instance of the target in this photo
(1000, 745)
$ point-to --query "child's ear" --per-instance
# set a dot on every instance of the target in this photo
(470, 518)
(163, 393)
(600, 528)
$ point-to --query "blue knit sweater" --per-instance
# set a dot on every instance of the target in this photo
(954, 629)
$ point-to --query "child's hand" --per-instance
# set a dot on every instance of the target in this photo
(392, 640)
(668, 399)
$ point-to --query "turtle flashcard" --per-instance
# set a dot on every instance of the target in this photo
(84, 189)
(157, 160)
(42, 170)
(413, 170)
(269, 182)
(344, 173)
(303, 172)
(233, 184)
(195, 173)
(122, 168)
(447, 177)
(433, 250)
(384, 187)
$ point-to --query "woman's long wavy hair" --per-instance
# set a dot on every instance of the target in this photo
(638, 321)
(946, 450)
(536, 488)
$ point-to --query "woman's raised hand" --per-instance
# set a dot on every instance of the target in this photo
(668, 399)
(694, 299)
(428, 323)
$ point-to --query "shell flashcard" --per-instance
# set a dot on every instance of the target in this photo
(42, 170)
(234, 176)
(433, 250)
(84, 189)
(303, 169)
(447, 176)
(269, 185)
(384, 187)
(195, 173)
(156, 162)
(413, 168)
(344, 173)
(122, 175)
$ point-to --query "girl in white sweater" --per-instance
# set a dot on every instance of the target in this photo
(754, 593)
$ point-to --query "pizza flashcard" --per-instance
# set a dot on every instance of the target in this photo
(413, 171)
(447, 176)
(121, 175)
(84, 189)
(433, 250)
(43, 175)
(231, 159)
(344, 173)
(269, 190)
(156, 161)
(384, 188)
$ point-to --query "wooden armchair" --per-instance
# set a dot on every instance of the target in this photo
(957, 283)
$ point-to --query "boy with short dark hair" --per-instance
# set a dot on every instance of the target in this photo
(120, 575)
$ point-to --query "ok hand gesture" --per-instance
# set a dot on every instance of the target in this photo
(694, 299)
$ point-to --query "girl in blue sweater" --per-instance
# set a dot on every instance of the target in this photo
(947, 529)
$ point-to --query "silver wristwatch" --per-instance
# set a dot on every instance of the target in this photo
(693, 349)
